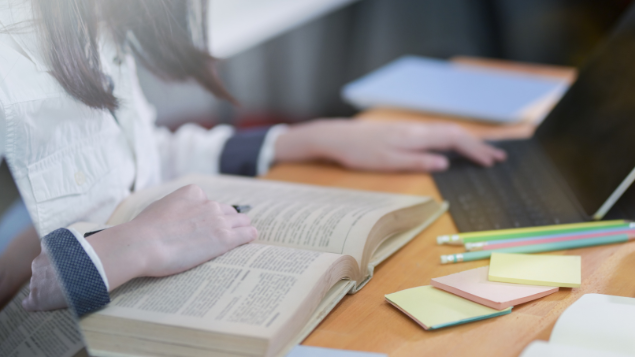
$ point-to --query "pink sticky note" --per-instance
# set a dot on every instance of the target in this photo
(473, 285)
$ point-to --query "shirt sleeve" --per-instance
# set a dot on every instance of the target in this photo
(94, 258)
(250, 152)
(82, 283)
(267, 151)
(193, 149)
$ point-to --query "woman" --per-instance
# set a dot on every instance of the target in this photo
(79, 137)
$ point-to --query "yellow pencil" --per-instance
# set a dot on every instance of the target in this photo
(461, 238)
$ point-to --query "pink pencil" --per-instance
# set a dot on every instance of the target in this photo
(490, 246)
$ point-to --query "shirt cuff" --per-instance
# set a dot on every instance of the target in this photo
(241, 153)
(267, 151)
(92, 255)
(215, 144)
(79, 278)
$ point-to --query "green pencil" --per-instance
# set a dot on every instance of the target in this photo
(462, 238)
(536, 248)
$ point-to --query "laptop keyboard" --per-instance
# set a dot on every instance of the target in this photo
(517, 193)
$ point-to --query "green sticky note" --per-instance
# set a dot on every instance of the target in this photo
(564, 271)
(433, 308)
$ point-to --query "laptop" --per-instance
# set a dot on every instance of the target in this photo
(578, 163)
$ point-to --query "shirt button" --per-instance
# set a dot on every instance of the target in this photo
(80, 178)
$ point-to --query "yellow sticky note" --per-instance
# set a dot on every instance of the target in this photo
(433, 308)
(534, 269)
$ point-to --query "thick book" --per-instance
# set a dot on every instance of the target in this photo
(315, 245)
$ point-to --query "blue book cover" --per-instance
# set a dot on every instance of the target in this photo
(444, 87)
(309, 351)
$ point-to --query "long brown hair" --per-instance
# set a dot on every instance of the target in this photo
(168, 36)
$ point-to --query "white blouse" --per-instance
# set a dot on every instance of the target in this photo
(72, 163)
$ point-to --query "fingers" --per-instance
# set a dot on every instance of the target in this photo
(30, 303)
(189, 192)
(44, 298)
(479, 152)
(227, 209)
(195, 193)
(414, 161)
(237, 220)
(453, 137)
(45, 292)
(245, 235)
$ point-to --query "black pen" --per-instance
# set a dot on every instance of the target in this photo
(242, 208)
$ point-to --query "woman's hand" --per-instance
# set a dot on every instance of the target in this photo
(45, 292)
(176, 233)
(378, 146)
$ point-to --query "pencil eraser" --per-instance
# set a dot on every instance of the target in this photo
(445, 259)
(474, 246)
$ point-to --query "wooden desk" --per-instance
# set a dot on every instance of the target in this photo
(365, 322)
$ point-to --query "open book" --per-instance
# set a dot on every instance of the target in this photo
(595, 325)
(38, 334)
(315, 245)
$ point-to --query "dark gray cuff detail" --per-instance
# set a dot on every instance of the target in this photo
(241, 151)
(80, 280)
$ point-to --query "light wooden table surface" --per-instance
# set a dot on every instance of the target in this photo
(365, 322)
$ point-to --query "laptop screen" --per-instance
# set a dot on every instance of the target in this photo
(590, 134)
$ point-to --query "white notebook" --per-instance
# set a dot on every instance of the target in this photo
(444, 87)
(595, 325)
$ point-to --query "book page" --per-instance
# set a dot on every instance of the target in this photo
(37, 334)
(328, 303)
(293, 215)
(598, 322)
(396, 242)
(253, 290)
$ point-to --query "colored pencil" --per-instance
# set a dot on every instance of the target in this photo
(506, 243)
(535, 248)
(461, 238)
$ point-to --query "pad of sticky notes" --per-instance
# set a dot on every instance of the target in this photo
(433, 308)
(474, 285)
(535, 269)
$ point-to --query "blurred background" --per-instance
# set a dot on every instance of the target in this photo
(286, 60)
